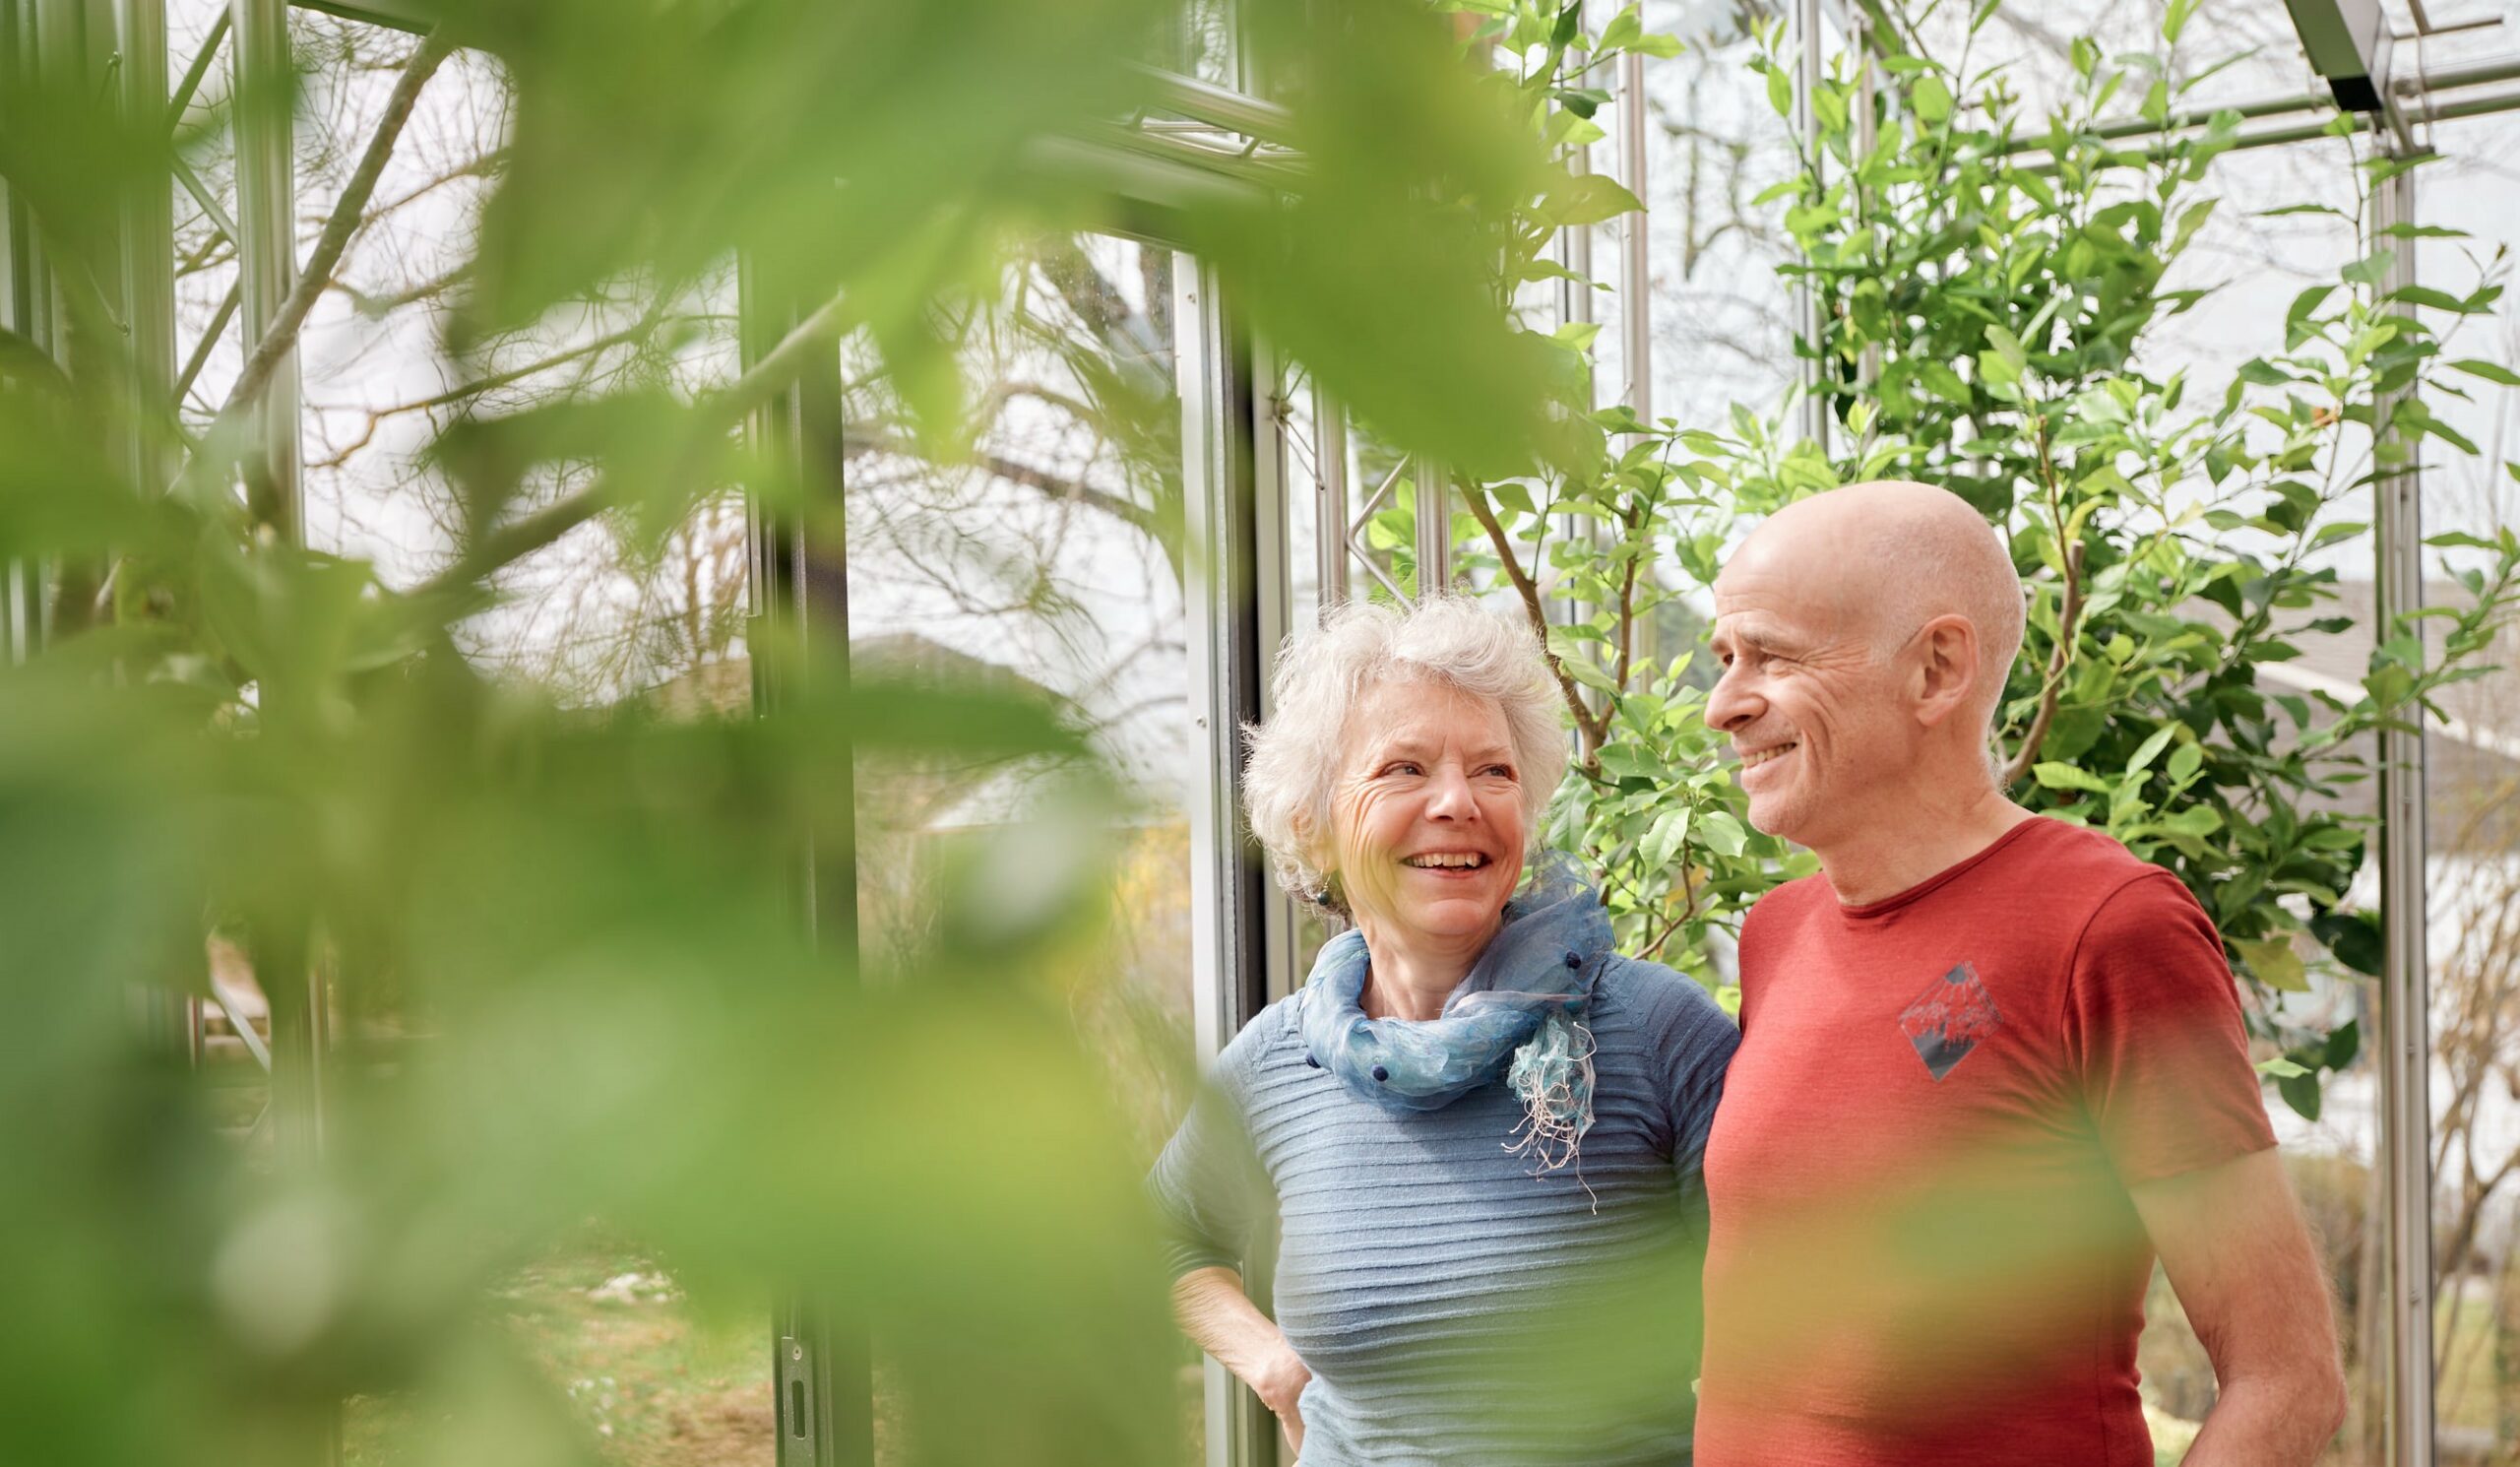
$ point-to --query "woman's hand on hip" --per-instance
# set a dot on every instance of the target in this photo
(1279, 1382)
(1216, 1313)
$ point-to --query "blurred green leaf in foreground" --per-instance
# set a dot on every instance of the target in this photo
(573, 977)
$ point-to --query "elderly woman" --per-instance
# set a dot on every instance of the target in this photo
(1477, 1127)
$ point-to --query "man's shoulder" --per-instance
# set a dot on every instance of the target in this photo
(2077, 872)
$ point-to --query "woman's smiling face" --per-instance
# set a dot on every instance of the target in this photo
(1428, 815)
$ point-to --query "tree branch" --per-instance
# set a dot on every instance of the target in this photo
(765, 380)
(348, 213)
(2068, 615)
(1591, 729)
(860, 440)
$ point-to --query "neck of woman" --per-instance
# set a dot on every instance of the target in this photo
(1411, 979)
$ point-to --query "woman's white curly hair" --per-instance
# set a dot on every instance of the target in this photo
(1298, 754)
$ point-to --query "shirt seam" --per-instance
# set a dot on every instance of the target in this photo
(2074, 954)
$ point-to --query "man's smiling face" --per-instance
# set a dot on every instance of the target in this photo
(1810, 699)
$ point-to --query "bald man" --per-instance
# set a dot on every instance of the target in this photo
(1992, 1065)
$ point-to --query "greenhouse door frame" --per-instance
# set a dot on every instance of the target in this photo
(1234, 615)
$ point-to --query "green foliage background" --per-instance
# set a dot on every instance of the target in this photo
(597, 917)
(1986, 280)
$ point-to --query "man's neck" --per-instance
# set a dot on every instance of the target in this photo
(1411, 980)
(1911, 844)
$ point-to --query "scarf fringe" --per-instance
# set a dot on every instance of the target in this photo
(1554, 1076)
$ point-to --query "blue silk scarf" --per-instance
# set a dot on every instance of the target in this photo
(1518, 1015)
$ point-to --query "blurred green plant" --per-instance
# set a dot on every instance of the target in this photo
(592, 917)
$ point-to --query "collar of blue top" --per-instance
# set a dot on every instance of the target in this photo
(1519, 1016)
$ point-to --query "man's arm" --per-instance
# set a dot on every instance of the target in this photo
(1222, 1319)
(2233, 1244)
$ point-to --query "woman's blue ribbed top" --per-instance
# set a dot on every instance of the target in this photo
(1453, 1306)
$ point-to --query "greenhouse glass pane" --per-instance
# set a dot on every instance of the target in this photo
(594, 615)
(2227, 55)
(1206, 30)
(643, 1373)
(1044, 558)
(2472, 836)
(1723, 320)
(205, 257)
(2253, 262)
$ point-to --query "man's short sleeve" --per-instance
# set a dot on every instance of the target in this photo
(2153, 1024)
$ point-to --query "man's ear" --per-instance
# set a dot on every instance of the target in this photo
(1946, 675)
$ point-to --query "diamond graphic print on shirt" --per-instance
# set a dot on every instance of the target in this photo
(1947, 1019)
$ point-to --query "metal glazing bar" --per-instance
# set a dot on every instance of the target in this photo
(2404, 1056)
(1867, 136)
(796, 594)
(1205, 102)
(2196, 117)
(1434, 524)
(1227, 959)
(148, 241)
(2480, 103)
(1575, 242)
(209, 340)
(210, 208)
(2482, 72)
(1330, 482)
(1275, 455)
(1355, 527)
(414, 16)
(1271, 458)
(266, 240)
(2267, 137)
(1233, 155)
(16, 612)
(1577, 305)
(1157, 169)
(2428, 85)
(1636, 275)
(1814, 410)
(19, 313)
(194, 73)
(253, 1042)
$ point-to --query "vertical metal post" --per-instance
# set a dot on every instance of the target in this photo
(1434, 522)
(1330, 487)
(1807, 74)
(147, 242)
(146, 449)
(1576, 306)
(18, 293)
(266, 255)
(1867, 136)
(1228, 960)
(1276, 618)
(1274, 584)
(2406, 1048)
(1636, 275)
(822, 1375)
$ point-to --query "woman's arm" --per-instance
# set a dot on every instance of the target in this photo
(1222, 1319)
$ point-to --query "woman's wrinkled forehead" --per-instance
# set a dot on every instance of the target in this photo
(1414, 709)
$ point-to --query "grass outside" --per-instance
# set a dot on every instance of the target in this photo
(2478, 1385)
(651, 1384)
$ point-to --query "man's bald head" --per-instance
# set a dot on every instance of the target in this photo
(1888, 558)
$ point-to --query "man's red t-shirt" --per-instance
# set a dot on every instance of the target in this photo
(1921, 1247)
